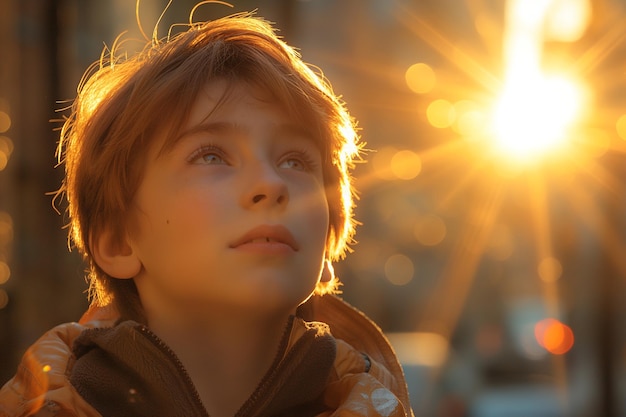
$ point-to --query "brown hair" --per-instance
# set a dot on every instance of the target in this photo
(125, 101)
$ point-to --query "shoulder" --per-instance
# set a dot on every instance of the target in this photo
(41, 377)
(366, 365)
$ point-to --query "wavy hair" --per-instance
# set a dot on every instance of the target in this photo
(122, 101)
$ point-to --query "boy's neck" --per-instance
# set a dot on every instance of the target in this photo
(226, 356)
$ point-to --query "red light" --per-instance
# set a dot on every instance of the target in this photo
(554, 336)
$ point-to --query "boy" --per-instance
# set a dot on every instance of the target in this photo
(208, 190)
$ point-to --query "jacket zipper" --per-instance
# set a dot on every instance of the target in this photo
(148, 334)
(250, 407)
(252, 402)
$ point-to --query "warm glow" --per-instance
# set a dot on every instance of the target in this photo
(440, 113)
(550, 269)
(381, 162)
(568, 20)
(399, 269)
(5, 122)
(406, 165)
(4, 298)
(6, 145)
(535, 111)
(533, 116)
(420, 78)
(420, 348)
(6, 148)
(500, 246)
(430, 230)
(5, 272)
(4, 160)
(6, 228)
(620, 126)
(554, 336)
(469, 119)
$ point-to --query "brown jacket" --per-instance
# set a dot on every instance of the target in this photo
(334, 362)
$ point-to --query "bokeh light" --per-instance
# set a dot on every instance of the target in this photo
(5, 272)
(4, 298)
(420, 348)
(430, 230)
(6, 148)
(554, 336)
(550, 269)
(440, 113)
(470, 119)
(399, 269)
(420, 78)
(406, 164)
(6, 228)
(6, 145)
(5, 122)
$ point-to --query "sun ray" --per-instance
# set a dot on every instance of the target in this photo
(459, 274)
(462, 61)
(602, 48)
(542, 234)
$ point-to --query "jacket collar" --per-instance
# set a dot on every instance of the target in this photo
(114, 371)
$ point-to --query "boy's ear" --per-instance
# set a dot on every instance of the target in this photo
(115, 257)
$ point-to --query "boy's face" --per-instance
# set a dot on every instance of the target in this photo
(234, 216)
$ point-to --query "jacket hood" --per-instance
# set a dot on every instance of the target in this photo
(355, 328)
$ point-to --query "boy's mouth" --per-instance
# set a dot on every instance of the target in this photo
(267, 233)
(263, 240)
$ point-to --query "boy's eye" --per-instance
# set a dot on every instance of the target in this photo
(212, 158)
(299, 161)
(293, 163)
(208, 155)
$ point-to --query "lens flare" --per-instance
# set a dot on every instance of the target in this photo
(533, 116)
(536, 111)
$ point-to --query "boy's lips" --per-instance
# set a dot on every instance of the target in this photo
(267, 234)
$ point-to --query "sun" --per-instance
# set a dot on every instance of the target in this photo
(536, 112)
(535, 117)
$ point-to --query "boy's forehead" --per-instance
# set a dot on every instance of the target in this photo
(218, 100)
(214, 98)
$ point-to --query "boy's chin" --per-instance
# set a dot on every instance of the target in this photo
(280, 304)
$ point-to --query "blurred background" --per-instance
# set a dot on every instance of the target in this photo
(492, 250)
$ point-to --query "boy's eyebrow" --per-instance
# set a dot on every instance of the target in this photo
(281, 130)
(211, 127)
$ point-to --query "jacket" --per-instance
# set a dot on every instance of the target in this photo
(333, 361)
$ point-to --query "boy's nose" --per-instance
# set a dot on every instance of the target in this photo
(267, 188)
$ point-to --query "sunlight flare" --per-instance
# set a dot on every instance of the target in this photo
(536, 111)
(534, 115)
